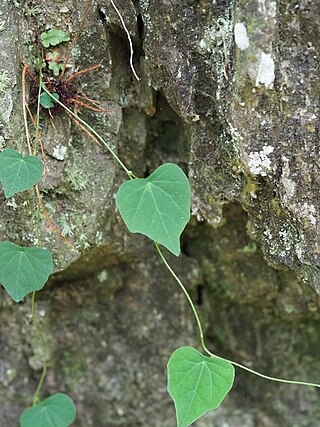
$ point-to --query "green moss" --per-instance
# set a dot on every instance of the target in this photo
(76, 177)
(39, 339)
(73, 365)
(67, 228)
(250, 190)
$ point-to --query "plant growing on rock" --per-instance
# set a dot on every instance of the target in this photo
(157, 206)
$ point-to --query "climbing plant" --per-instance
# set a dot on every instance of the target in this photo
(158, 207)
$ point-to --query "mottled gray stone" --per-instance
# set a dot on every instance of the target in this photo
(243, 123)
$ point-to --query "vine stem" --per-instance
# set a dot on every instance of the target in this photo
(24, 108)
(36, 398)
(38, 116)
(85, 16)
(186, 295)
(280, 380)
(33, 299)
(128, 172)
(259, 374)
(129, 38)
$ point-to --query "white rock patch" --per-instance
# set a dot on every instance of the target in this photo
(241, 36)
(259, 162)
(310, 212)
(265, 75)
(289, 185)
(59, 152)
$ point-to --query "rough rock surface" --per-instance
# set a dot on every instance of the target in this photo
(229, 90)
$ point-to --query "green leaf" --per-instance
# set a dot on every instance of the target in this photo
(54, 37)
(197, 383)
(157, 206)
(18, 173)
(55, 411)
(23, 270)
(46, 101)
(56, 68)
(54, 61)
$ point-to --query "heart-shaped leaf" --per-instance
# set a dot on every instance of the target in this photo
(23, 270)
(157, 206)
(18, 173)
(55, 411)
(197, 383)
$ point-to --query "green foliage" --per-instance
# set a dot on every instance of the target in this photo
(46, 101)
(18, 173)
(157, 206)
(55, 411)
(53, 37)
(23, 270)
(77, 178)
(197, 383)
(55, 64)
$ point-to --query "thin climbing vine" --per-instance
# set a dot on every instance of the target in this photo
(157, 206)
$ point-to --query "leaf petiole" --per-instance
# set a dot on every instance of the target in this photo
(36, 398)
(194, 310)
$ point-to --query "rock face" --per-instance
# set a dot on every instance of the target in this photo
(229, 90)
